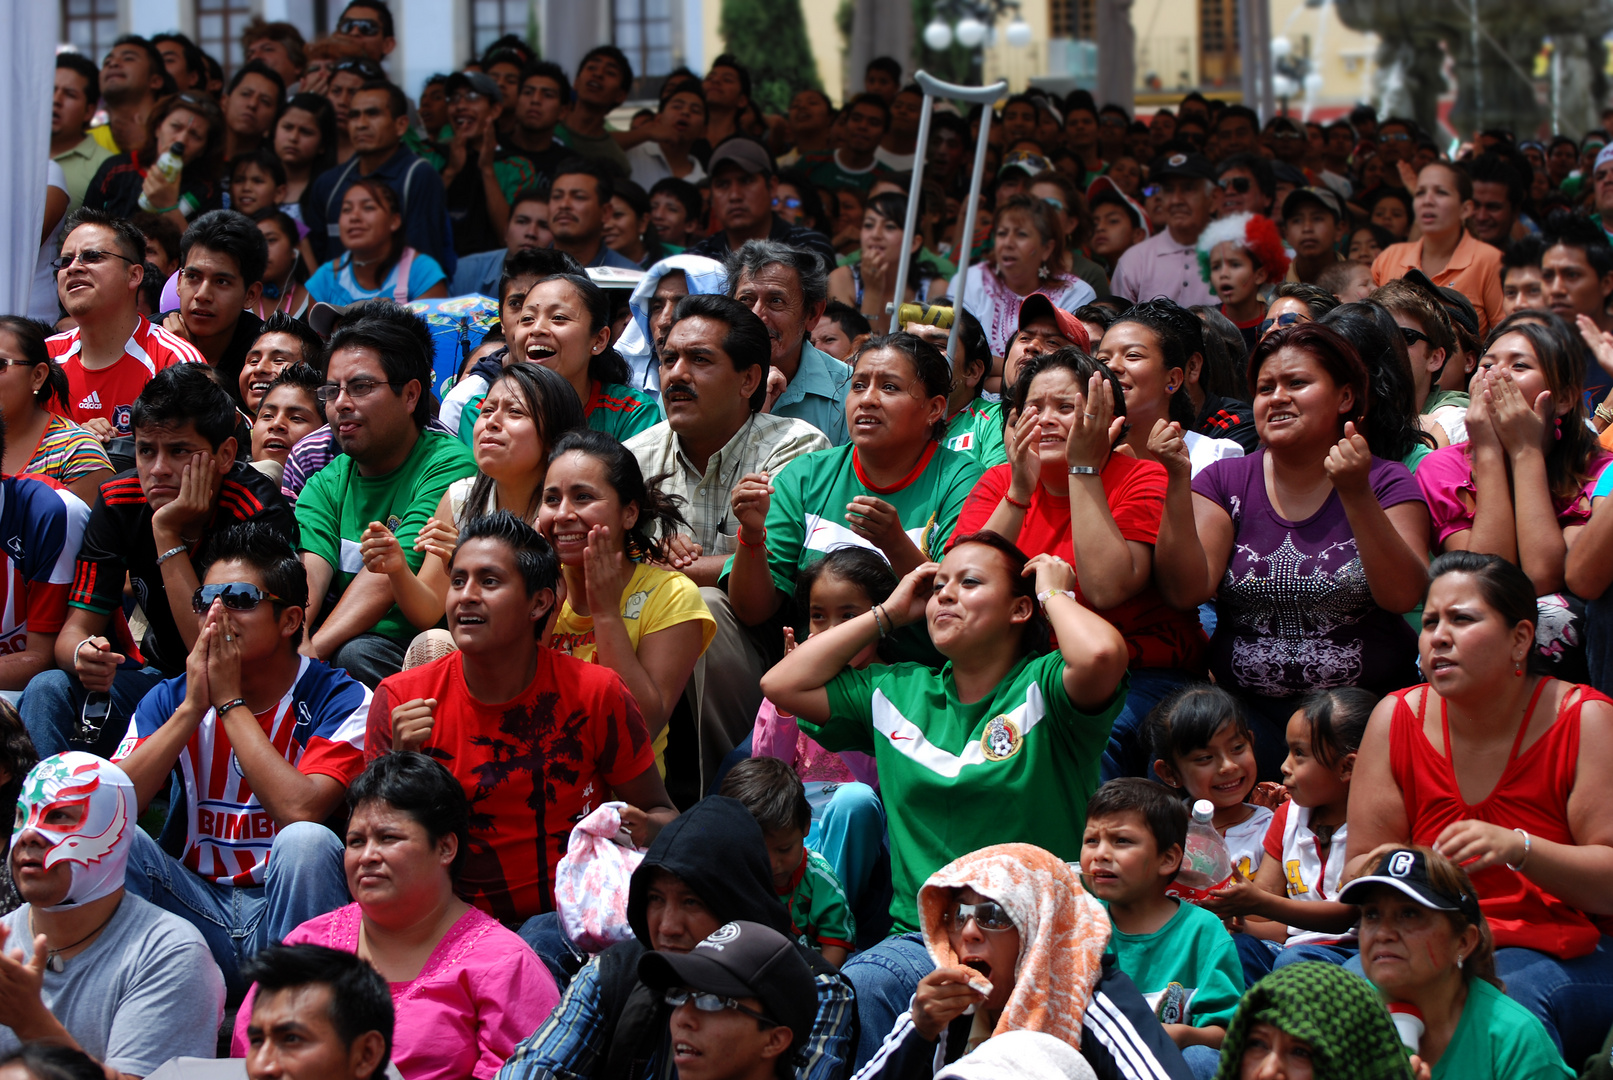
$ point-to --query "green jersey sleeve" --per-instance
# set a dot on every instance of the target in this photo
(319, 517)
(818, 906)
(851, 713)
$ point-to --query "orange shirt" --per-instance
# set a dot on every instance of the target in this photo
(1474, 271)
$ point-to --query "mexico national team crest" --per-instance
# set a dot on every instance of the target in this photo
(1001, 740)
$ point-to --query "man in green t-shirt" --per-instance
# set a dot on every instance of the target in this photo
(392, 472)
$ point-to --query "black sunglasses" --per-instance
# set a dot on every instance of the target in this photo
(359, 27)
(92, 257)
(235, 595)
(365, 68)
(988, 915)
(712, 1003)
(1412, 336)
(1287, 318)
(1239, 184)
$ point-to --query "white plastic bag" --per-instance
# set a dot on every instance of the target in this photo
(590, 885)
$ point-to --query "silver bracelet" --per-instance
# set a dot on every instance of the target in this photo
(1083, 470)
(1528, 845)
(170, 553)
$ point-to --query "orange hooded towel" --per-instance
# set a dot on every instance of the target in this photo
(1063, 933)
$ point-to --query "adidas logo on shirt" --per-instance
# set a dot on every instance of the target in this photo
(91, 402)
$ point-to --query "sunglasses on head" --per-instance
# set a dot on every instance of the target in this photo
(1287, 318)
(988, 915)
(360, 67)
(235, 595)
(1238, 184)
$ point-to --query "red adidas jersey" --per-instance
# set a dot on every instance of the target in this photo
(108, 393)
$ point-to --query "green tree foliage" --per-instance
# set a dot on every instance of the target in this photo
(770, 38)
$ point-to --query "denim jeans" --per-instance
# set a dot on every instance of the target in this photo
(1128, 752)
(1573, 998)
(54, 700)
(369, 658)
(850, 834)
(1261, 957)
(1202, 1061)
(548, 938)
(304, 878)
(885, 978)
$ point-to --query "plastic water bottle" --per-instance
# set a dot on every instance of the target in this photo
(1206, 864)
(1409, 1023)
(167, 166)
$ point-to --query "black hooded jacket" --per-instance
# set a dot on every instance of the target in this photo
(610, 1026)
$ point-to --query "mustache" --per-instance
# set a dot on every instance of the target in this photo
(681, 392)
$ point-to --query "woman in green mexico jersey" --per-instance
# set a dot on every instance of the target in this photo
(1002, 744)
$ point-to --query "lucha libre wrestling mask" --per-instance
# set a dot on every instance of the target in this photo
(83, 807)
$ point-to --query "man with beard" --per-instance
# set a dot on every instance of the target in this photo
(577, 202)
(713, 374)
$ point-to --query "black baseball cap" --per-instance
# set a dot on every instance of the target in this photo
(1181, 163)
(1457, 306)
(744, 960)
(1406, 870)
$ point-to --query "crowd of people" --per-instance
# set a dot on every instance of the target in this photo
(739, 668)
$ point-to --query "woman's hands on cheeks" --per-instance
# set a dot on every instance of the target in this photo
(1094, 427)
(1480, 424)
(1520, 424)
(912, 595)
(942, 996)
(1349, 463)
(1024, 459)
(1478, 845)
(1169, 446)
(606, 572)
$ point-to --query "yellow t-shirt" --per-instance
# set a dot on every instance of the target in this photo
(653, 600)
(102, 133)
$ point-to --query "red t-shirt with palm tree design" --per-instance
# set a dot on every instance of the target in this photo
(550, 756)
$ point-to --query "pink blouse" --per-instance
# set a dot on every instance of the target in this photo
(777, 735)
(1447, 473)
(480, 993)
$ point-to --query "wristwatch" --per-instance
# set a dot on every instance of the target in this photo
(1083, 470)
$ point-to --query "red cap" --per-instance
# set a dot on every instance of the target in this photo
(1040, 305)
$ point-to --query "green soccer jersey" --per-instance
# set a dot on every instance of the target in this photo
(977, 430)
(1015, 767)
(338, 504)
(807, 517)
(1498, 1038)
(1188, 970)
(819, 913)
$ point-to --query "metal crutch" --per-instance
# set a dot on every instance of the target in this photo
(983, 96)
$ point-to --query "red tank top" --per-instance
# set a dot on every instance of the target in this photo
(1532, 795)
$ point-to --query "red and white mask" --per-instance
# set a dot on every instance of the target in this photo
(82, 807)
